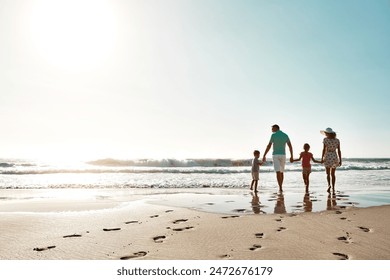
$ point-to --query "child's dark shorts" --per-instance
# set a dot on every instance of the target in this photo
(306, 170)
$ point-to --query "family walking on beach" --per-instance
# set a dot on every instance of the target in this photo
(331, 158)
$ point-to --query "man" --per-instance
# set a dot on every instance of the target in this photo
(279, 140)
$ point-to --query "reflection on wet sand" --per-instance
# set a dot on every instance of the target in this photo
(331, 203)
(280, 208)
(255, 203)
(307, 203)
(267, 201)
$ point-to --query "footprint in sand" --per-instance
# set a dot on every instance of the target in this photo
(154, 216)
(259, 235)
(278, 220)
(131, 222)
(342, 256)
(72, 235)
(346, 239)
(168, 211)
(159, 239)
(339, 212)
(181, 229)
(227, 217)
(44, 248)
(134, 255)
(111, 229)
(255, 247)
(281, 228)
(180, 221)
(365, 229)
(226, 256)
(239, 210)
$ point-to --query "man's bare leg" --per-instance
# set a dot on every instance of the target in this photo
(280, 178)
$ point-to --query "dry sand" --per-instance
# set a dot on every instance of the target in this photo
(132, 228)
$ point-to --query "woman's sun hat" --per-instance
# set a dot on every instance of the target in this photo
(328, 130)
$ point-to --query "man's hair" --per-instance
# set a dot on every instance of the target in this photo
(275, 126)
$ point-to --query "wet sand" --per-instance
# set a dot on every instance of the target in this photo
(176, 224)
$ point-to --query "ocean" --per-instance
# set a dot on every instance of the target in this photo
(361, 182)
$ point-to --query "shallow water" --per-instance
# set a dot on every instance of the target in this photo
(270, 202)
(215, 200)
(220, 189)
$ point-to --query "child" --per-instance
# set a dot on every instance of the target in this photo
(306, 167)
(255, 170)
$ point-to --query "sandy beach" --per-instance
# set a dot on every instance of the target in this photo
(116, 224)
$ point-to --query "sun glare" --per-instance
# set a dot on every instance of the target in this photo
(73, 33)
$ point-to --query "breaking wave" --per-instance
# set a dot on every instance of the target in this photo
(208, 166)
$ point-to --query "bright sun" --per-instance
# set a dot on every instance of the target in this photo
(73, 33)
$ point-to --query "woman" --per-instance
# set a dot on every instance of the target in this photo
(330, 157)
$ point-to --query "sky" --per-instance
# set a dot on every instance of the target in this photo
(192, 78)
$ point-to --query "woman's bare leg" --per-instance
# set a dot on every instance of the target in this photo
(333, 178)
(328, 178)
